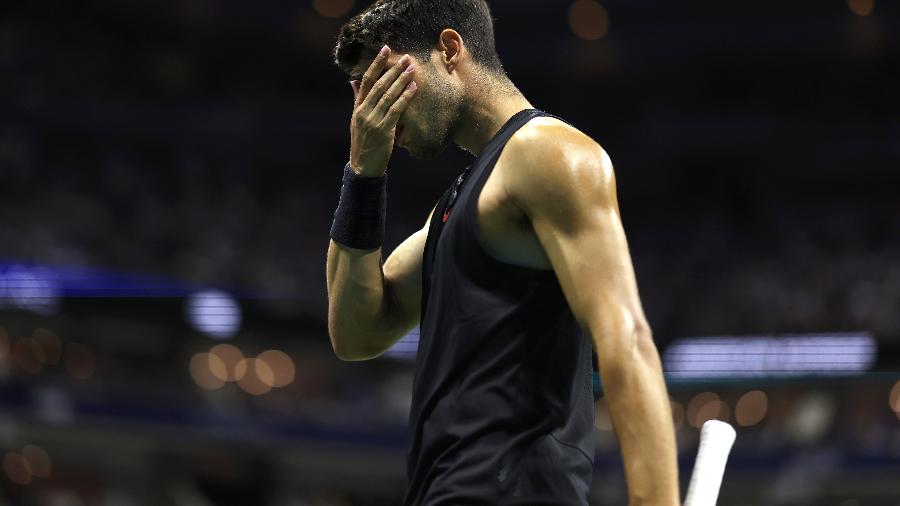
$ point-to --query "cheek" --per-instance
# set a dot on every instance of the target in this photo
(413, 114)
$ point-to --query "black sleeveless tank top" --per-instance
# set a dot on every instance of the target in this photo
(502, 407)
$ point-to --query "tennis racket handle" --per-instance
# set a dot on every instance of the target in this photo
(716, 440)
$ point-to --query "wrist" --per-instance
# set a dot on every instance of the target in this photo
(361, 171)
(360, 216)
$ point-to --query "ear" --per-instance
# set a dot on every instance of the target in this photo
(451, 47)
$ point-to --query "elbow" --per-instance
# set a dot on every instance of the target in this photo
(340, 340)
(341, 348)
(345, 349)
(628, 358)
(350, 355)
(642, 338)
(339, 343)
(627, 343)
(644, 350)
(352, 342)
(346, 353)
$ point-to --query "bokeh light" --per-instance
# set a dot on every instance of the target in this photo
(25, 356)
(861, 7)
(217, 367)
(589, 20)
(712, 410)
(230, 356)
(751, 408)
(696, 404)
(202, 373)
(79, 361)
(35, 289)
(281, 365)
(50, 346)
(810, 418)
(255, 376)
(215, 313)
(38, 460)
(17, 469)
(333, 8)
(894, 398)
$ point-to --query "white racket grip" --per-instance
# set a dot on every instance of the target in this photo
(716, 440)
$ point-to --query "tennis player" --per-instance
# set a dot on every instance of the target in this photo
(518, 275)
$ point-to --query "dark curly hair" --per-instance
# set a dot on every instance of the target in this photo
(413, 26)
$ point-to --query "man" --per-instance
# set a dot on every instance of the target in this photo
(519, 269)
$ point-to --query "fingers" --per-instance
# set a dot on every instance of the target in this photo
(355, 85)
(381, 86)
(393, 114)
(372, 73)
(392, 93)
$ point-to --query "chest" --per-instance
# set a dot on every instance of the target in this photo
(503, 231)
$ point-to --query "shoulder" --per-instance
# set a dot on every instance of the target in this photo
(553, 164)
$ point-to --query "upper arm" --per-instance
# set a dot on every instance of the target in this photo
(403, 279)
(566, 186)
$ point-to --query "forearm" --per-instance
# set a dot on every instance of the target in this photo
(356, 300)
(638, 402)
(363, 317)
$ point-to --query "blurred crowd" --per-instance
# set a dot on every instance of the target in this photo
(184, 144)
(794, 268)
(780, 267)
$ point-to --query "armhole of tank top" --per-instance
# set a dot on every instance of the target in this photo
(434, 231)
(470, 224)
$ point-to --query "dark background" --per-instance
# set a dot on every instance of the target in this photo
(150, 149)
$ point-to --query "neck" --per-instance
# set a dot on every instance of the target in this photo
(486, 112)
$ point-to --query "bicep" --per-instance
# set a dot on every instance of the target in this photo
(403, 277)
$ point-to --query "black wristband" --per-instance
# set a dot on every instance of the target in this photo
(361, 212)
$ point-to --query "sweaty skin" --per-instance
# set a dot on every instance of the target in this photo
(550, 202)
